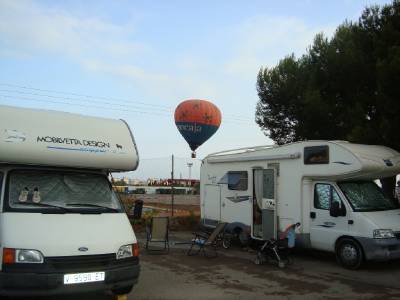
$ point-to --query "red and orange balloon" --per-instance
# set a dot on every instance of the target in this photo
(197, 121)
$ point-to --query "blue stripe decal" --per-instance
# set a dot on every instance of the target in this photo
(80, 149)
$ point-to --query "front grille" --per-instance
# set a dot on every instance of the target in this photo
(397, 234)
(82, 261)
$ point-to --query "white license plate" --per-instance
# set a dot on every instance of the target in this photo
(84, 277)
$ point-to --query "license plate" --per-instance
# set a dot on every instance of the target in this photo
(84, 277)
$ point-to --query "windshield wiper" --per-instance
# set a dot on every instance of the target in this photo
(93, 205)
(45, 205)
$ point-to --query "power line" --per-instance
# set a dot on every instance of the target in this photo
(78, 95)
(230, 121)
(83, 105)
(138, 109)
(165, 107)
(79, 99)
(236, 118)
(162, 107)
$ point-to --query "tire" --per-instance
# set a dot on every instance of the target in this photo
(226, 242)
(349, 254)
(123, 291)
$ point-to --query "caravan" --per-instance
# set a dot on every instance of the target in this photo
(327, 186)
(62, 229)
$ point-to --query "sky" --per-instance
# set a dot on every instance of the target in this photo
(137, 60)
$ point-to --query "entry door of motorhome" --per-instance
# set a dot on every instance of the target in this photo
(264, 204)
(212, 204)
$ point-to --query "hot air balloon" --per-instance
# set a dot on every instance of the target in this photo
(197, 121)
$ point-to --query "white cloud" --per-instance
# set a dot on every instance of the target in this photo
(28, 28)
(264, 40)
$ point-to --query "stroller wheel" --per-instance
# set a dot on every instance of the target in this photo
(259, 260)
(226, 242)
(281, 264)
(289, 260)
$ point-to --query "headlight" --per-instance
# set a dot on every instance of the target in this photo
(125, 251)
(27, 256)
(383, 234)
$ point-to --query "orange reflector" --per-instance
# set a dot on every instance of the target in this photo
(135, 249)
(8, 256)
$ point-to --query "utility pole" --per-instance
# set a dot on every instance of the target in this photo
(172, 187)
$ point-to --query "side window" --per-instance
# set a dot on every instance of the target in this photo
(323, 195)
(237, 180)
(316, 155)
(268, 184)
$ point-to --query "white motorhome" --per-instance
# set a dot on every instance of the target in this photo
(62, 228)
(327, 186)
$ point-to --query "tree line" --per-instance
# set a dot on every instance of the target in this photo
(346, 87)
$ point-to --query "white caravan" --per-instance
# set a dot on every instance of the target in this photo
(62, 229)
(327, 186)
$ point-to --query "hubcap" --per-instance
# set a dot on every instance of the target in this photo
(349, 253)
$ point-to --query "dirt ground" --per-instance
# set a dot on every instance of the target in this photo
(233, 275)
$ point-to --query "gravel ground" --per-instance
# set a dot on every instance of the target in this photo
(233, 275)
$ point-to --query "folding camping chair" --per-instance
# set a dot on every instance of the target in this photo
(204, 239)
(157, 232)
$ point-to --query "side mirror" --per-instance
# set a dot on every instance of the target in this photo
(335, 210)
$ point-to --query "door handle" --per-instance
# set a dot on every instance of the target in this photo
(223, 204)
(313, 215)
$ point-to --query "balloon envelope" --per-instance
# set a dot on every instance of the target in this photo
(197, 121)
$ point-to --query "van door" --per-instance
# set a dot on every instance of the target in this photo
(264, 220)
(325, 229)
(212, 204)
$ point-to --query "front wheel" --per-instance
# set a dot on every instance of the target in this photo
(349, 254)
(122, 291)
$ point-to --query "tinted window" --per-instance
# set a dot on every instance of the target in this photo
(237, 180)
(316, 155)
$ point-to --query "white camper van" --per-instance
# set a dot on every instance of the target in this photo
(327, 186)
(62, 229)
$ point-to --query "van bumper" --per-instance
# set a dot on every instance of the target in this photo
(380, 249)
(42, 284)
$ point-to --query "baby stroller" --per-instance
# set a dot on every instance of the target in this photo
(278, 250)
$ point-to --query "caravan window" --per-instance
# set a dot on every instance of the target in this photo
(1, 182)
(316, 155)
(38, 190)
(237, 180)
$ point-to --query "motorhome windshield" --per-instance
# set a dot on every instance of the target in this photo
(38, 190)
(366, 196)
